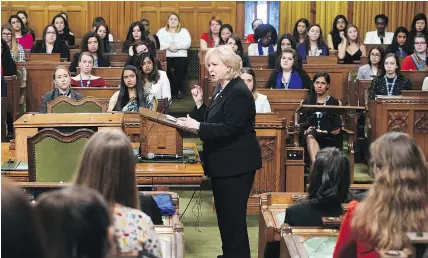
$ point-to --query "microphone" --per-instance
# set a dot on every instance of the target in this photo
(151, 127)
(151, 155)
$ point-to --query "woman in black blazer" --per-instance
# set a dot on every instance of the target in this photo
(92, 43)
(231, 151)
(51, 43)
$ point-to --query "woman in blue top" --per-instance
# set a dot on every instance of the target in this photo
(287, 74)
(314, 44)
(400, 45)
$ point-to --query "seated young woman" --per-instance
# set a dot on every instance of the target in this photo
(400, 45)
(300, 30)
(85, 78)
(24, 17)
(336, 34)
(23, 37)
(100, 20)
(108, 166)
(314, 44)
(130, 96)
(136, 32)
(152, 37)
(285, 41)
(375, 64)
(156, 83)
(51, 43)
(249, 77)
(395, 204)
(351, 43)
(16, 50)
(64, 33)
(137, 49)
(211, 38)
(83, 216)
(287, 74)
(265, 37)
(235, 43)
(391, 82)
(417, 61)
(324, 129)
(91, 43)
(225, 31)
(103, 31)
(62, 83)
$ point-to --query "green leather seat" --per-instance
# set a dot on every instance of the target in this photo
(87, 107)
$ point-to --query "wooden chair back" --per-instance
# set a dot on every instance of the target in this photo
(65, 104)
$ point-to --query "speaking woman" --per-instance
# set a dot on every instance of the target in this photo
(231, 151)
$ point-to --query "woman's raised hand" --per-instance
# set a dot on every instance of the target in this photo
(198, 95)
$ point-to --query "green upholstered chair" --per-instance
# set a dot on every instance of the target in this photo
(54, 156)
(85, 105)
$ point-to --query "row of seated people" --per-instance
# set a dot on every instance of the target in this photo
(97, 216)
(374, 220)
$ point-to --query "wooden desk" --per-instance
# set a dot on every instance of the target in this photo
(13, 96)
(157, 175)
(29, 124)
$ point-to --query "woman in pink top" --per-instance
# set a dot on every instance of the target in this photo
(22, 36)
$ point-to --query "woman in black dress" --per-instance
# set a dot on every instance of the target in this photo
(391, 82)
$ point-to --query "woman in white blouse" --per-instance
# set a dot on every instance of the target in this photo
(176, 40)
(262, 103)
(156, 83)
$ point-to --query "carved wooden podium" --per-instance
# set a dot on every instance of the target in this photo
(160, 135)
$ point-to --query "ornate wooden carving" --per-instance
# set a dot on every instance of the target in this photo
(267, 146)
(397, 121)
(421, 122)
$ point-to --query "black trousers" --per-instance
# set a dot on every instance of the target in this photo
(176, 71)
(231, 197)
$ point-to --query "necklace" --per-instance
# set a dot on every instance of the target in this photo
(390, 86)
(286, 84)
(88, 82)
(320, 114)
(313, 53)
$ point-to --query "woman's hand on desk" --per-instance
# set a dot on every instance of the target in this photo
(188, 122)
(198, 95)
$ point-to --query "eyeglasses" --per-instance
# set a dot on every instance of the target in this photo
(7, 34)
(420, 43)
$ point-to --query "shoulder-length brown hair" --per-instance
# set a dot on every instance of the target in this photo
(397, 202)
(358, 39)
(108, 165)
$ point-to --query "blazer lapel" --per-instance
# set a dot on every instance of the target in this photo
(221, 96)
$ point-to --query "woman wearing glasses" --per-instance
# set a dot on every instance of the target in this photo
(374, 66)
(418, 60)
(266, 37)
(50, 43)
(16, 50)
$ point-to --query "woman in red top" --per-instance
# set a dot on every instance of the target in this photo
(396, 204)
(21, 34)
(212, 38)
(418, 60)
(85, 78)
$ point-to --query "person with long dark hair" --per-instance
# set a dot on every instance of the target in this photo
(225, 31)
(287, 74)
(100, 20)
(400, 45)
(391, 82)
(130, 96)
(235, 43)
(24, 17)
(417, 61)
(61, 24)
(51, 43)
(324, 129)
(21, 34)
(395, 204)
(419, 26)
(254, 25)
(211, 38)
(103, 31)
(300, 30)
(156, 83)
(249, 77)
(285, 41)
(16, 50)
(136, 32)
(176, 41)
(314, 44)
(91, 43)
(337, 32)
(375, 64)
(265, 37)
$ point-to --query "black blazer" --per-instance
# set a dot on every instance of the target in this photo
(68, 38)
(227, 130)
(103, 61)
(306, 80)
(53, 94)
(309, 214)
(59, 47)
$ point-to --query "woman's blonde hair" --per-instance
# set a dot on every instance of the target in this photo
(179, 24)
(398, 201)
(228, 57)
(59, 67)
(108, 165)
(13, 42)
(357, 40)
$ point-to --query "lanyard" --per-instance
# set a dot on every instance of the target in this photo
(88, 82)
(390, 86)
(287, 84)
